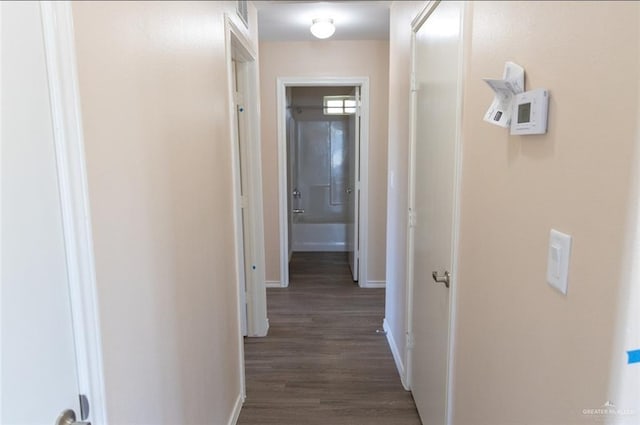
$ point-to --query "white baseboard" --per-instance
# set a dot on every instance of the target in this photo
(273, 284)
(235, 414)
(319, 247)
(374, 284)
(396, 353)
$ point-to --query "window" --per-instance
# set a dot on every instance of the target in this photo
(340, 105)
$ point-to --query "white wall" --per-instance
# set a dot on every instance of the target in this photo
(153, 83)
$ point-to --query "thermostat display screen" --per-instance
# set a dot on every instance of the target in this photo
(524, 112)
(529, 112)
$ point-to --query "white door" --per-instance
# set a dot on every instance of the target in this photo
(436, 60)
(353, 188)
(39, 375)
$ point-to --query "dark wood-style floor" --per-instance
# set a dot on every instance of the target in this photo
(323, 362)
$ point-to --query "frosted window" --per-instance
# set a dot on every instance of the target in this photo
(340, 105)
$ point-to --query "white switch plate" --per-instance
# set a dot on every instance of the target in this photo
(558, 260)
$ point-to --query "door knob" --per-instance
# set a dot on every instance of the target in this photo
(441, 279)
(68, 417)
(297, 211)
(349, 190)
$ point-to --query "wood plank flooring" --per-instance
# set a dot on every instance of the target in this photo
(323, 362)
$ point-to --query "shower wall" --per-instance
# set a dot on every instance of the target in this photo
(318, 153)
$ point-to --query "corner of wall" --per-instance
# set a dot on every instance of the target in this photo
(397, 358)
(237, 408)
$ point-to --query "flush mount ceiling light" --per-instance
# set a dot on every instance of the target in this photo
(322, 27)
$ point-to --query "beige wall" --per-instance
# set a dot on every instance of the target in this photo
(326, 59)
(526, 354)
(401, 15)
(155, 108)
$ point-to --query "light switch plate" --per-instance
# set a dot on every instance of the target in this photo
(558, 260)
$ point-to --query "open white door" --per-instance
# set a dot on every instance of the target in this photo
(353, 189)
(434, 156)
(39, 369)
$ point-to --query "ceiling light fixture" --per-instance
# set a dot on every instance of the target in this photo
(322, 27)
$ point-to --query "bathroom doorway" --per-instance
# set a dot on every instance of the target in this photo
(322, 180)
(322, 142)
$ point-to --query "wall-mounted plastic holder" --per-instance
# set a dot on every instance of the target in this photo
(511, 84)
(522, 112)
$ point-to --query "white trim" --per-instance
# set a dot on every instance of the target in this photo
(235, 413)
(397, 358)
(273, 284)
(410, 203)
(418, 21)
(421, 17)
(281, 85)
(374, 284)
(237, 223)
(283, 190)
(415, 26)
(238, 43)
(453, 296)
(319, 246)
(57, 22)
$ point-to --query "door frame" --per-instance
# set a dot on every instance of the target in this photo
(416, 25)
(283, 192)
(62, 75)
(239, 47)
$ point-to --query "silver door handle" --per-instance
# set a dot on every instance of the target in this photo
(298, 211)
(68, 417)
(349, 190)
(441, 279)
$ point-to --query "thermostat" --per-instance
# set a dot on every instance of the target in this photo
(529, 115)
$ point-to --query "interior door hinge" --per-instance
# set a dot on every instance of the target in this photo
(410, 341)
(412, 219)
(414, 82)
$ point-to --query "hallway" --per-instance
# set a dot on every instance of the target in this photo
(323, 362)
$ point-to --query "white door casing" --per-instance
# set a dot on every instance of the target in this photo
(284, 194)
(50, 329)
(434, 195)
(353, 191)
(238, 77)
(247, 186)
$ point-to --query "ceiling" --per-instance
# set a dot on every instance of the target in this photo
(354, 20)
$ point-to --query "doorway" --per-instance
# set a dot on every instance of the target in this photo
(322, 134)
(322, 153)
(434, 205)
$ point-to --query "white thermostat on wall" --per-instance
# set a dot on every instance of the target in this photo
(529, 115)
